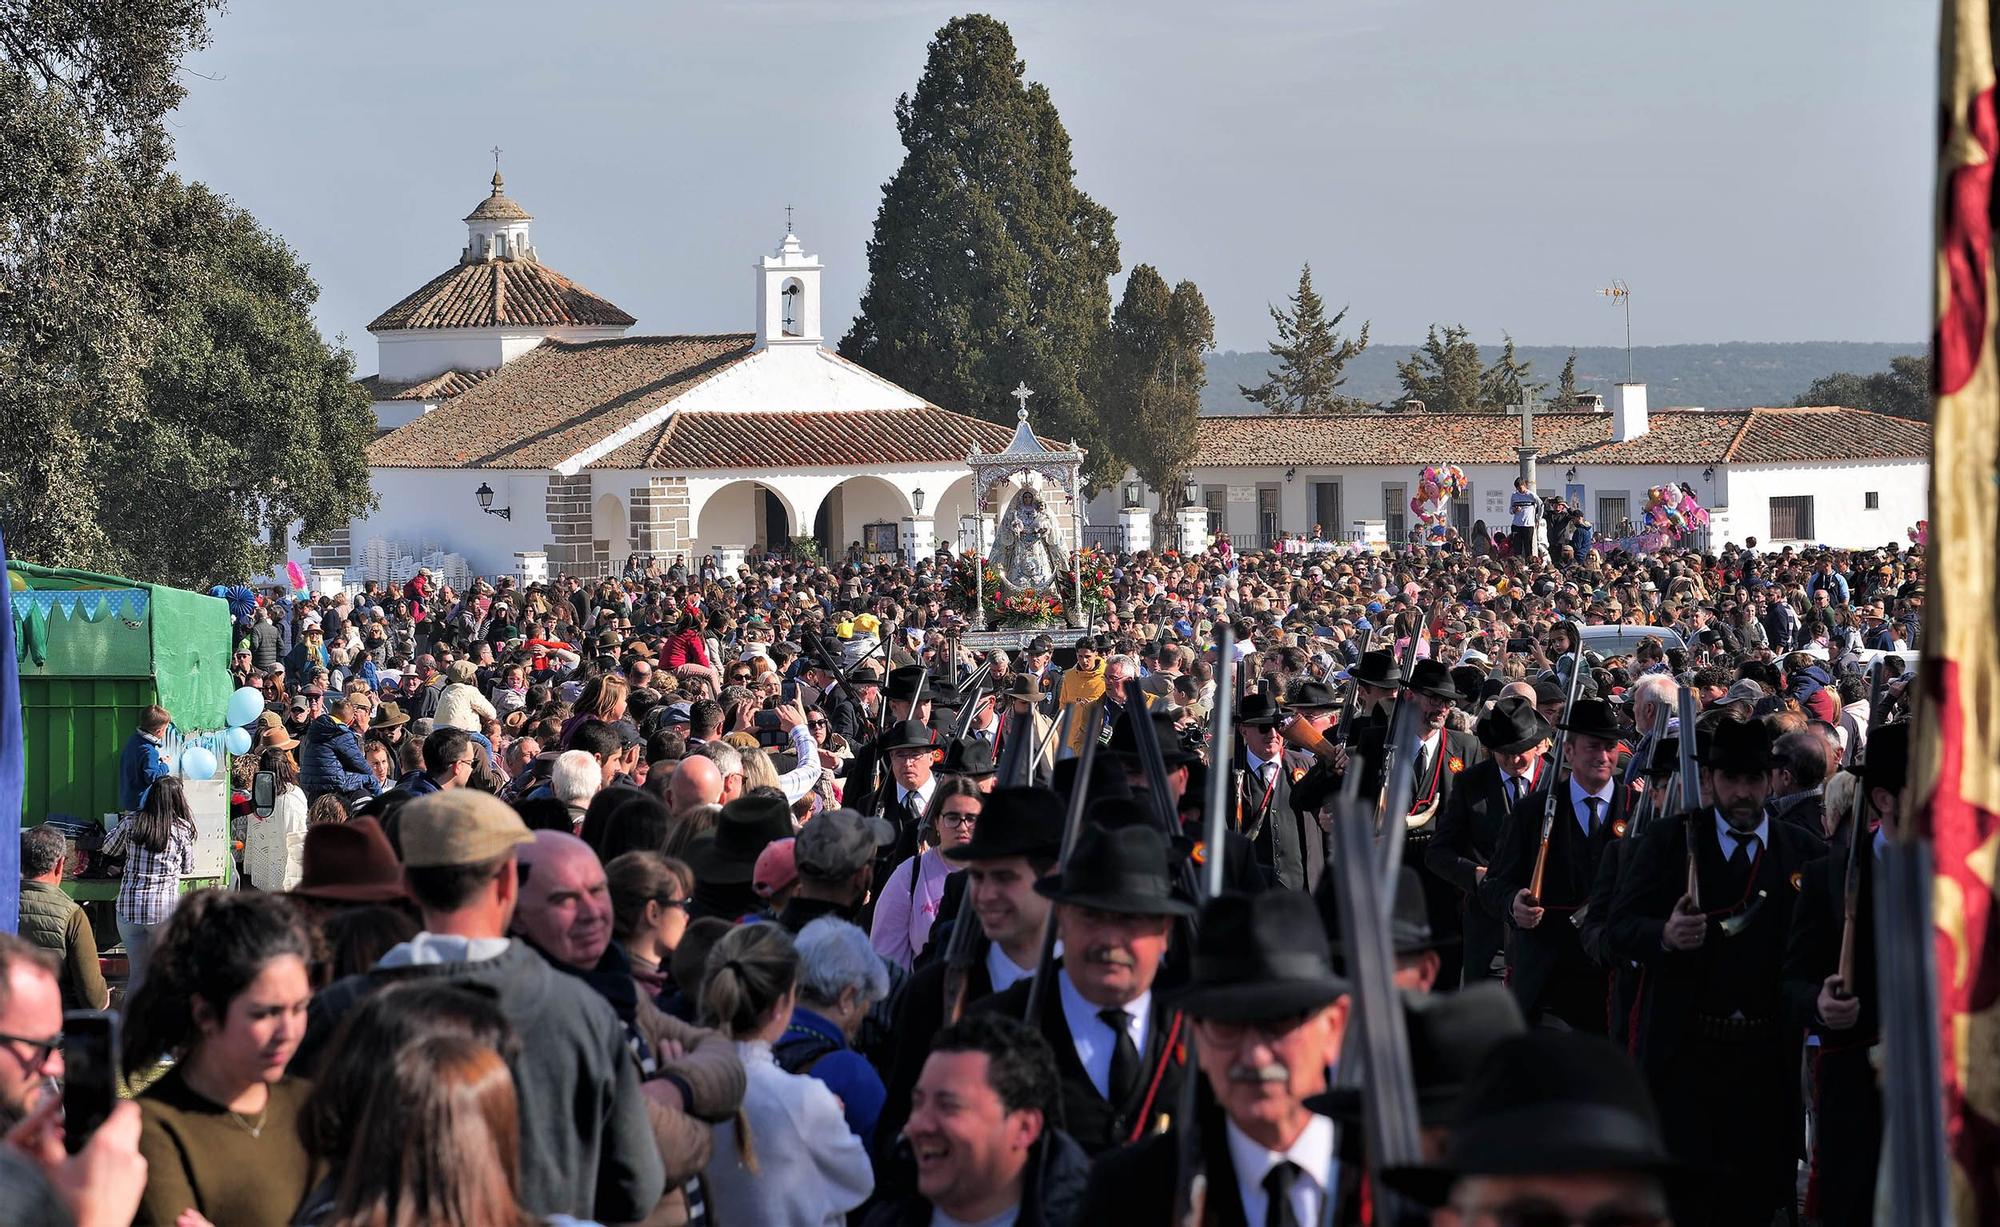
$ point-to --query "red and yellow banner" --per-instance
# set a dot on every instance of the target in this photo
(1956, 772)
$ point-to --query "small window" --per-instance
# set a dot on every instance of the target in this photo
(1872, 500)
(1792, 518)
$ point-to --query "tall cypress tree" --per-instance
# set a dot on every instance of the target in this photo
(1152, 393)
(1566, 390)
(988, 267)
(1310, 356)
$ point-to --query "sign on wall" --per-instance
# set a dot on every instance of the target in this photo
(1243, 494)
(1494, 504)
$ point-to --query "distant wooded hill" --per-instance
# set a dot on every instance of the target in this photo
(1735, 375)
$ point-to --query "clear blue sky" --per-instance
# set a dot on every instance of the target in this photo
(1756, 171)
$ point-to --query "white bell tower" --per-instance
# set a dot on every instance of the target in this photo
(788, 296)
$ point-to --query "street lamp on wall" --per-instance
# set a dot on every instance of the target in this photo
(1132, 494)
(1190, 493)
(485, 496)
(1291, 472)
(1571, 475)
(1708, 474)
(918, 499)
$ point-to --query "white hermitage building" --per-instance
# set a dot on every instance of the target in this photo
(507, 389)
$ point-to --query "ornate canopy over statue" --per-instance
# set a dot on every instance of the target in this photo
(1040, 523)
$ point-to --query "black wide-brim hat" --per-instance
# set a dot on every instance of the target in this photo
(1410, 929)
(1125, 745)
(1023, 686)
(1741, 747)
(1512, 726)
(1593, 718)
(970, 759)
(1309, 695)
(1124, 870)
(727, 856)
(1430, 677)
(1547, 1103)
(908, 735)
(1014, 822)
(903, 682)
(1257, 957)
(1450, 1035)
(1258, 711)
(1379, 669)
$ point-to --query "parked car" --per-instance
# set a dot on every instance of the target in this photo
(1621, 639)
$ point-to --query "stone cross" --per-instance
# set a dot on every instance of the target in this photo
(1527, 408)
(1021, 393)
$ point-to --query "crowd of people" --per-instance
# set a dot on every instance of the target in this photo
(768, 898)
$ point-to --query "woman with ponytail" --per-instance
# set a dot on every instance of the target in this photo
(788, 1157)
(226, 999)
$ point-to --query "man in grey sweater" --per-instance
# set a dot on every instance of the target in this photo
(587, 1146)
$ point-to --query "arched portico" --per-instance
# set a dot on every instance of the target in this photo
(746, 514)
(844, 515)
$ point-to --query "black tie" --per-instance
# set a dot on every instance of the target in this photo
(1513, 790)
(1278, 1195)
(1124, 1056)
(1593, 803)
(1739, 860)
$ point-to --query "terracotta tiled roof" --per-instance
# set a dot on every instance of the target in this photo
(556, 400)
(1673, 436)
(438, 387)
(735, 439)
(495, 293)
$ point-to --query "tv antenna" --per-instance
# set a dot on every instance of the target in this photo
(1619, 292)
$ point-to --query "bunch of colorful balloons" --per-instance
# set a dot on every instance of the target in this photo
(1437, 485)
(1921, 534)
(1672, 510)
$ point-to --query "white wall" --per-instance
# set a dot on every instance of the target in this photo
(439, 507)
(1839, 493)
(407, 355)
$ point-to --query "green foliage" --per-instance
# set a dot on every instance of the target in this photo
(1310, 354)
(1445, 373)
(1904, 390)
(806, 549)
(168, 398)
(1447, 376)
(1566, 391)
(1152, 391)
(988, 267)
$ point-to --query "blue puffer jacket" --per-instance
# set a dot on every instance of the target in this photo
(330, 760)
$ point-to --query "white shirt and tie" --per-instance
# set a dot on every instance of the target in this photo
(916, 801)
(1591, 808)
(1311, 1153)
(1515, 787)
(1094, 1039)
(1729, 839)
(1005, 972)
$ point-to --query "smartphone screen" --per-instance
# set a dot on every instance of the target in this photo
(90, 1073)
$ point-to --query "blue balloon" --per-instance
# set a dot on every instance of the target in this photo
(244, 706)
(237, 741)
(197, 763)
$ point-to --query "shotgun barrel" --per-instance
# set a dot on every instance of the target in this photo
(1550, 803)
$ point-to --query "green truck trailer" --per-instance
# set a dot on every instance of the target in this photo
(94, 652)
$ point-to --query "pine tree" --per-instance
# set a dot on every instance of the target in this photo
(1566, 384)
(988, 267)
(1310, 356)
(1502, 384)
(1151, 399)
(1446, 373)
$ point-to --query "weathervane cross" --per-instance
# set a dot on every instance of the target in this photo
(496, 159)
(788, 219)
(1021, 393)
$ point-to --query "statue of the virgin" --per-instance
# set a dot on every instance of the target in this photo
(1026, 552)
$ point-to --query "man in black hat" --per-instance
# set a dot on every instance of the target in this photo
(1547, 966)
(1117, 1048)
(1716, 1035)
(1442, 756)
(1021, 716)
(1268, 1016)
(1847, 1018)
(1418, 951)
(1016, 843)
(725, 859)
(906, 705)
(1240, 866)
(1287, 843)
(971, 759)
(913, 753)
(1555, 1127)
(1468, 827)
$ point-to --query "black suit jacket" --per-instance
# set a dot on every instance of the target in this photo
(920, 1015)
(1553, 947)
(1812, 949)
(1744, 972)
(1138, 1183)
(1463, 841)
(1097, 1124)
(1289, 843)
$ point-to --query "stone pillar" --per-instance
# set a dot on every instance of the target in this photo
(328, 581)
(531, 567)
(1193, 524)
(728, 558)
(1135, 529)
(659, 516)
(918, 539)
(336, 552)
(568, 504)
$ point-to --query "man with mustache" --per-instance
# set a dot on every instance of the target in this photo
(1269, 1015)
(1118, 1049)
(1716, 1033)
